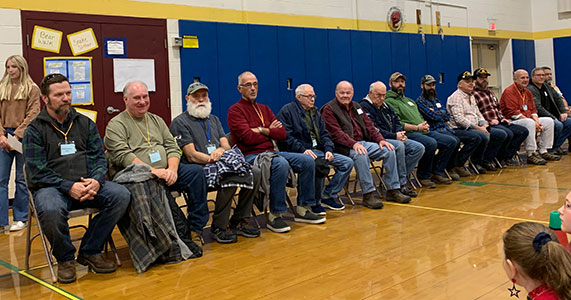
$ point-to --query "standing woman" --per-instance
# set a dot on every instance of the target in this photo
(19, 105)
(535, 260)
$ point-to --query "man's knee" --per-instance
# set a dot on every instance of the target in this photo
(50, 204)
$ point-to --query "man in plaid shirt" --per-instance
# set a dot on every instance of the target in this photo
(489, 106)
(480, 140)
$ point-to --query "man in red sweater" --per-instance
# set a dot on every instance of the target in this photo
(254, 127)
(517, 105)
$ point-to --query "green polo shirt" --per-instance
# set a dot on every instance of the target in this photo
(405, 108)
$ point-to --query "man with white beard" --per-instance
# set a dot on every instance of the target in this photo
(201, 137)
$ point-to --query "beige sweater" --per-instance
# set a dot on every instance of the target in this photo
(18, 113)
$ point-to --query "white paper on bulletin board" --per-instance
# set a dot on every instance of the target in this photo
(129, 69)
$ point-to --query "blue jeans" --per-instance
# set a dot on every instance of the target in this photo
(53, 208)
(447, 145)
(516, 134)
(497, 139)
(20, 205)
(562, 131)
(192, 181)
(343, 166)
(300, 163)
(475, 142)
(407, 159)
(362, 165)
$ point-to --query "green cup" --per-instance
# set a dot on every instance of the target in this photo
(554, 220)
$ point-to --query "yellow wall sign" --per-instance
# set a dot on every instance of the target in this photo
(190, 41)
(46, 39)
(82, 41)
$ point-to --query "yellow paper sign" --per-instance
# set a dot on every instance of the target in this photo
(190, 41)
(82, 41)
(46, 39)
(88, 113)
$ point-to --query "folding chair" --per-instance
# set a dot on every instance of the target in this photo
(33, 214)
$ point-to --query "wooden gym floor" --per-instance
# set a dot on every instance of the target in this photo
(445, 244)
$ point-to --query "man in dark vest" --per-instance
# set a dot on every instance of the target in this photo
(354, 135)
(66, 167)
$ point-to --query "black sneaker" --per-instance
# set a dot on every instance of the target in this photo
(329, 203)
(278, 225)
(318, 210)
(223, 236)
(310, 218)
(409, 191)
(244, 229)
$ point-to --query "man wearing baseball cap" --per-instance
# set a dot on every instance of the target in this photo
(429, 166)
(470, 126)
(489, 106)
(201, 137)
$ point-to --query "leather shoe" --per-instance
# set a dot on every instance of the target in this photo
(371, 201)
(441, 179)
(453, 175)
(480, 169)
(427, 183)
(66, 272)
(461, 171)
(409, 191)
(396, 196)
(97, 263)
(489, 166)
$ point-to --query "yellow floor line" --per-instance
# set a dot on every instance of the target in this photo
(49, 286)
(466, 212)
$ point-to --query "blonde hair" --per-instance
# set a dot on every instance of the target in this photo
(547, 261)
(25, 85)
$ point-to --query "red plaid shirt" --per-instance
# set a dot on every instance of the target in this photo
(488, 104)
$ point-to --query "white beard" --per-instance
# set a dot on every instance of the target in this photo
(199, 110)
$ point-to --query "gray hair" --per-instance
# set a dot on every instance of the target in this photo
(244, 74)
(372, 86)
(535, 70)
(301, 88)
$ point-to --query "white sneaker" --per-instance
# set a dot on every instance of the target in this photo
(18, 225)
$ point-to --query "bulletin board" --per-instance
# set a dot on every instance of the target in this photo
(78, 72)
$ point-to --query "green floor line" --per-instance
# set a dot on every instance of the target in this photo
(479, 183)
(39, 281)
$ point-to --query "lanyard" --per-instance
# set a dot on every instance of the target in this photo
(259, 113)
(64, 134)
(522, 96)
(206, 132)
(148, 137)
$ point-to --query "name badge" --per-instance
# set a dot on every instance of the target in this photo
(544, 92)
(67, 149)
(154, 157)
(438, 105)
(313, 143)
(210, 148)
(524, 107)
(410, 103)
(359, 111)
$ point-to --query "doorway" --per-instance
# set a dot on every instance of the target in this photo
(485, 54)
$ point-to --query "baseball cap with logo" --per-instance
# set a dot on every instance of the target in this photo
(396, 75)
(195, 86)
(427, 79)
(481, 71)
(465, 76)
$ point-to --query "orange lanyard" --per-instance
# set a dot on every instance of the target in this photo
(259, 113)
(64, 134)
(521, 95)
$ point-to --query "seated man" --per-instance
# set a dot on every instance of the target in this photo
(480, 140)
(201, 137)
(254, 128)
(66, 167)
(517, 104)
(549, 81)
(549, 104)
(306, 133)
(354, 135)
(388, 123)
(136, 136)
(430, 165)
(489, 106)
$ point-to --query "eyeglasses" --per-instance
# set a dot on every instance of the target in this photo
(380, 95)
(312, 97)
(538, 74)
(249, 85)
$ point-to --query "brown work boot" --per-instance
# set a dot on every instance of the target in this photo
(461, 171)
(66, 272)
(397, 196)
(371, 201)
(97, 263)
(453, 175)
(441, 179)
(427, 183)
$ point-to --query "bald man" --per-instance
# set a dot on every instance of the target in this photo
(354, 135)
(388, 123)
(517, 104)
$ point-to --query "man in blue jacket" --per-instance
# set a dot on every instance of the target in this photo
(388, 123)
(306, 133)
